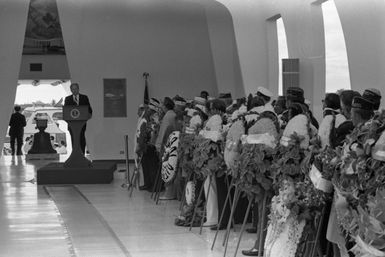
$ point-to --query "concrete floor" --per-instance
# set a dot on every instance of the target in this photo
(93, 220)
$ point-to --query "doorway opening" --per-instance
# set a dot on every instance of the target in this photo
(43, 99)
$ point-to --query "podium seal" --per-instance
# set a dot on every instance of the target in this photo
(75, 113)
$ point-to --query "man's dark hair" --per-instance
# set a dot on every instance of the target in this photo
(17, 108)
(265, 98)
(219, 105)
(332, 101)
(204, 94)
(364, 114)
(74, 84)
(346, 98)
(256, 102)
(168, 103)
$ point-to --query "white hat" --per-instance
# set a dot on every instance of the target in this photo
(307, 101)
(154, 104)
(199, 100)
(264, 91)
(201, 107)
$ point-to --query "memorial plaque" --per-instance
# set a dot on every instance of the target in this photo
(115, 98)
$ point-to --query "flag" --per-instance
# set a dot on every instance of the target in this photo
(146, 98)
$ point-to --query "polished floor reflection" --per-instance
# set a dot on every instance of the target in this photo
(92, 220)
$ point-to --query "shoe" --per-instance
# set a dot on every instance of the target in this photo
(143, 187)
(206, 224)
(166, 198)
(252, 252)
(251, 230)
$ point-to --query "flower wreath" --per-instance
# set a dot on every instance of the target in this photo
(186, 153)
(208, 158)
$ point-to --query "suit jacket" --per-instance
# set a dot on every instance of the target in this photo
(83, 100)
(167, 126)
(17, 124)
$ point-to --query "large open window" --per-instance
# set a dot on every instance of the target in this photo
(282, 51)
(337, 67)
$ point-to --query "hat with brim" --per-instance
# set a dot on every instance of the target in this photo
(179, 101)
(295, 94)
(226, 98)
(201, 108)
(374, 96)
(154, 104)
(265, 92)
(199, 100)
(362, 103)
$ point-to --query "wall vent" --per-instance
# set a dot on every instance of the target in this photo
(35, 67)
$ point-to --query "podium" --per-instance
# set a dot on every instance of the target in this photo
(77, 169)
(76, 117)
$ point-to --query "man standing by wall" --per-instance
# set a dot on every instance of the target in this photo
(16, 131)
(78, 99)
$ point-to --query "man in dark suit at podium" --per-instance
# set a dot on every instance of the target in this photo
(78, 99)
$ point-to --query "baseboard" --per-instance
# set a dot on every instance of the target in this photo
(119, 161)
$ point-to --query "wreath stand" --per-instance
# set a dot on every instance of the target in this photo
(315, 248)
(157, 185)
(230, 186)
(227, 234)
(205, 206)
(127, 183)
(183, 200)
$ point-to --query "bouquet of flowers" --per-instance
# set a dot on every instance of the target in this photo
(370, 230)
(359, 174)
(361, 182)
(326, 162)
(309, 200)
(323, 169)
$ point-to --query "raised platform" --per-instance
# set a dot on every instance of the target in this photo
(56, 173)
(42, 156)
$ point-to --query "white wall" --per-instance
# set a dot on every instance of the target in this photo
(363, 23)
(224, 49)
(123, 39)
(54, 67)
(13, 17)
(249, 27)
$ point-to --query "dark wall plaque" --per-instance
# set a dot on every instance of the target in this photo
(115, 98)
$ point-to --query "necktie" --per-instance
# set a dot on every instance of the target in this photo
(76, 99)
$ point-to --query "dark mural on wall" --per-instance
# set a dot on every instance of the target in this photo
(43, 33)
